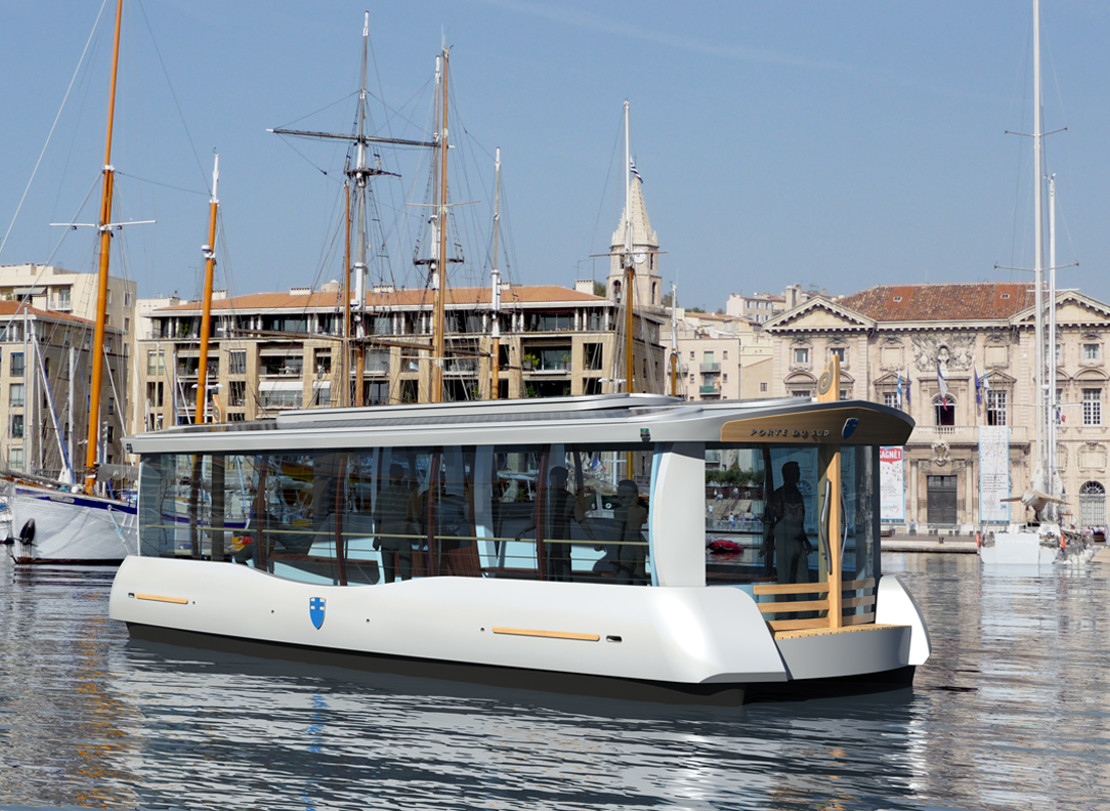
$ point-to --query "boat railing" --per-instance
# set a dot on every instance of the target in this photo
(805, 606)
(320, 550)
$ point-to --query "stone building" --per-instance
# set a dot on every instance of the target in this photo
(721, 357)
(960, 358)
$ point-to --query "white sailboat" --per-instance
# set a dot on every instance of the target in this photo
(56, 522)
(1043, 540)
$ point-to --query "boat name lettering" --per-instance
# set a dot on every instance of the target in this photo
(794, 433)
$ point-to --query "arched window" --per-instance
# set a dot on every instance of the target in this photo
(1092, 505)
(945, 409)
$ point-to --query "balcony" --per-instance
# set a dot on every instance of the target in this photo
(710, 368)
(708, 391)
(962, 434)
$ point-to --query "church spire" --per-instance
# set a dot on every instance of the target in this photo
(645, 249)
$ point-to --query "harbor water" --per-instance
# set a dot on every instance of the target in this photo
(1011, 712)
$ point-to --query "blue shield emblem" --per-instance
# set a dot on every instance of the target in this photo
(316, 611)
(849, 428)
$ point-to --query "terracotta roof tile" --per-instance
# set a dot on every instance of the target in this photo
(530, 294)
(13, 308)
(976, 301)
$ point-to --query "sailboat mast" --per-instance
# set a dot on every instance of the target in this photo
(441, 255)
(209, 251)
(97, 359)
(674, 340)
(1050, 383)
(360, 174)
(495, 287)
(626, 260)
(70, 438)
(345, 358)
(1038, 256)
(362, 178)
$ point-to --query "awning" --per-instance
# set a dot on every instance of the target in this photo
(281, 385)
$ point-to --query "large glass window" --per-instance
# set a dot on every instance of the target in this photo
(277, 396)
(945, 410)
(155, 363)
(1092, 406)
(551, 512)
(237, 362)
(766, 522)
(997, 407)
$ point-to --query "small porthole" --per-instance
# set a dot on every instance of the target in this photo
(612, 638)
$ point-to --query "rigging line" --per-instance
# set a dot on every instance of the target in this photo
(304, 157)
(173, 94)
(204, 193)
(225, 250)
(472, 222)
(53, 126)
(605, 187)
(93, 187)
(328, 106)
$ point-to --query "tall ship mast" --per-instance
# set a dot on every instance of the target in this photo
(56, 525)
(359, 173)
(105, 228)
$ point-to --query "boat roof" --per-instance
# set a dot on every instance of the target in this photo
(598, 419)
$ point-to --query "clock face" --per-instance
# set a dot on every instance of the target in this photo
(639, 257)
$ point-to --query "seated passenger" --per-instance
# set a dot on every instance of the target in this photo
(393, 517)
(630, 518)
(560, 509)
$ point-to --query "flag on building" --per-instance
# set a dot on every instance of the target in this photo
(978, 387)
(899, 389)
(942, 385)
(632, 168)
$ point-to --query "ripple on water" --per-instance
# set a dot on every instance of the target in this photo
(1006, 715)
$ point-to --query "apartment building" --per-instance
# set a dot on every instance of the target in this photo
(274, 351)
(47, 319)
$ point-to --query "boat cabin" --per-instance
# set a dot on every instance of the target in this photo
(778, 498)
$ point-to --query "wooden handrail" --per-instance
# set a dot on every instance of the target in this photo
(819, 605)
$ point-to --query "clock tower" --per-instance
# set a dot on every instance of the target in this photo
(645, 252)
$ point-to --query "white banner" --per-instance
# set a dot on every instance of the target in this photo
(994, 472)
(892, 483)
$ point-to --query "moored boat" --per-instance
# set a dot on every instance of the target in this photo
(562, 541)
(54, 525)
(51, 522)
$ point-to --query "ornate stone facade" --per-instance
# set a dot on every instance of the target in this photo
(957, 358)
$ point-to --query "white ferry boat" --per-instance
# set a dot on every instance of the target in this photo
(556, 544)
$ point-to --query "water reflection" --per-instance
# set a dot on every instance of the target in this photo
(1009, 713)
(321, 741)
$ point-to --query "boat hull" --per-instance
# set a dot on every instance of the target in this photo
(695, 643)
(71, 527)
(1018, 549)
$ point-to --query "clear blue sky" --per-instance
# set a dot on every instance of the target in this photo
(834, 144)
